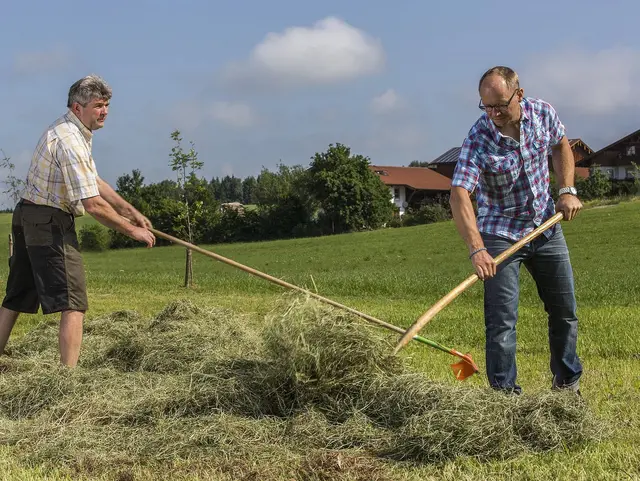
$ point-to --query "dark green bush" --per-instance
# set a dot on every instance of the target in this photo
(427, 214)
(94, 237)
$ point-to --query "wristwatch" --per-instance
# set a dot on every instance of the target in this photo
(568, 190)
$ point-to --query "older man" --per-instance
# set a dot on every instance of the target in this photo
(62, 183)
(504, 159)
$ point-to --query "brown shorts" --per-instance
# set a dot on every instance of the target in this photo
(46, 266)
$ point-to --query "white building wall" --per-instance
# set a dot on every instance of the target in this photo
(398, 197)
(616, 172)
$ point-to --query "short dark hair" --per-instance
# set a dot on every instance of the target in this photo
(88, 88)
(508, 74)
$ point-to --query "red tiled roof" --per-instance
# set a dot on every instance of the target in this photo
(419, 178)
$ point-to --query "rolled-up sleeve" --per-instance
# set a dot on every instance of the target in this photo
(78, 171)
(467, 172)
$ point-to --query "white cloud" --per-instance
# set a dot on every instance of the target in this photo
(234, 114)
(41, 62)
(598, 82)
(386, 102)
(190, 115)
(330, 51)
(404, 137)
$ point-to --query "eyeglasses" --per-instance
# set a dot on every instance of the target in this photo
(499, 108)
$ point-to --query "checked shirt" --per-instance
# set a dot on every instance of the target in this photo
(511, 178)
(62, 170)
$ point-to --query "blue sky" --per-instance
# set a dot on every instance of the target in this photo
(256, 83)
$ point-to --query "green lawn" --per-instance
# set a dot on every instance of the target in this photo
(398, 274)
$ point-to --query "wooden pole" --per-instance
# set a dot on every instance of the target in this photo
(188, 271)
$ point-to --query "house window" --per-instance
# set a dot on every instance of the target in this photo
(631, 150)
(630, 172)
(396, 193)
(608, 172)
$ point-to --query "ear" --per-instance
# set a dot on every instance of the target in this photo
(75, 108)
(520, 94)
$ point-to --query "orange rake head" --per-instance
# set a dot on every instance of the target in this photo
(465, 368)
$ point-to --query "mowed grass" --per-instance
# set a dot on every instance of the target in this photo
(396, 275)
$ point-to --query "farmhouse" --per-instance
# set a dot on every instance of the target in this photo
(446, 163)
(411, 186)
(615, 160)
(237, 206)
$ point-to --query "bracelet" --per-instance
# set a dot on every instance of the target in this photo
(476, 251)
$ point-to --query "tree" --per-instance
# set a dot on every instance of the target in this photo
(186, 164)
(249, 186)
(12, 184)
(214, 188)
(635, 173)
(130, 186)
(230, 189)
(419, 163)
(596, 186)
(284, 202)
(272, 187)
(351, 195)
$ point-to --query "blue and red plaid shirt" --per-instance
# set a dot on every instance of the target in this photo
(511, 178)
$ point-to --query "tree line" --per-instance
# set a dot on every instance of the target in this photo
(336, 193)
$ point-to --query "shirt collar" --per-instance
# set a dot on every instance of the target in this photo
(495, 133)
(86, 133)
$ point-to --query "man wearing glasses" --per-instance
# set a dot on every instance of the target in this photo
(504, 159)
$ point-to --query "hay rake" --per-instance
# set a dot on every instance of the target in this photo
(442, 303)
(462, 369)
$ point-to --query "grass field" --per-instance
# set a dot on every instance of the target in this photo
(396, 275)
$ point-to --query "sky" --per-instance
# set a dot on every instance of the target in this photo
(253, 83)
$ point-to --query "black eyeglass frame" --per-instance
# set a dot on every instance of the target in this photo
(500, 108)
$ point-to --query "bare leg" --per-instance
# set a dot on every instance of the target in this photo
(70, 337)
(7, 320)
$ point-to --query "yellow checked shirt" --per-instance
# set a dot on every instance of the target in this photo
(62, 170)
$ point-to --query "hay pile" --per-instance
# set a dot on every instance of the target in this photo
(198, 387)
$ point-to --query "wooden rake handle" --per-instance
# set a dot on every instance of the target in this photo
(275, 280)
(442, 303)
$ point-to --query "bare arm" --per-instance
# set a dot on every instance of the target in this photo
(120, 205)
(465, 220)
(564, 168)
(563, 164)
(102, 211)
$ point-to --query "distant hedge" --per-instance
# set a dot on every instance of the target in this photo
(94, 237)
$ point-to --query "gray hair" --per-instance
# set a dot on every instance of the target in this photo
(509, 76)
(87, 89)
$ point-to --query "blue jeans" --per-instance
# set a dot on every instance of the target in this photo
(548, 262)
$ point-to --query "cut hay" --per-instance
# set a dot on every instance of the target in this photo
(311, 391)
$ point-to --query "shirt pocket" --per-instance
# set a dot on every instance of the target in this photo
(541, 142)
(500, 173)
